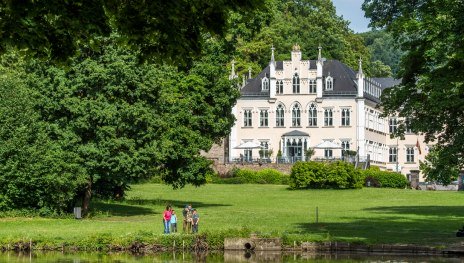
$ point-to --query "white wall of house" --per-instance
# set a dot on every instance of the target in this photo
(362, 129)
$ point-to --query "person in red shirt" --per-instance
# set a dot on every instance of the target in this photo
(167, 219)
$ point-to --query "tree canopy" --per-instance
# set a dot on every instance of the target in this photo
(170, 30)
(383, 48)
(308, 23)
(432, 88)
(108, 120)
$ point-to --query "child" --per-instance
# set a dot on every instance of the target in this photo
(195, 220)
(173, 222)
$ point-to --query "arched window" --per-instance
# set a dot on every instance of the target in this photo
(280, 116)
(296, 115)
(312, 115)
(329, 83)
(296, 83)
(265, 84)
(279, 87)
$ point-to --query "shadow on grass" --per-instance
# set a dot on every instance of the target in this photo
(423, 225)
(138, 207)
(176, 204)
(120, 209)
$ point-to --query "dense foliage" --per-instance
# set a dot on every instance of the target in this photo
(35, 171)
(247, 176)
(385, 179)
(318, 175)
(107, 121)
(385, 52)
(307, 23)
(432, 88)
(162, 29)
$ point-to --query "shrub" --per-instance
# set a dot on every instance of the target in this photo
(385, 179)
(306, 175)
(337, 175)
(270, 176)
(343, 175)
(246, 176)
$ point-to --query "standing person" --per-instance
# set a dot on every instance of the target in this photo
(184, 221)
(195, 221)
(173, 222)
(189, 218)
(167, 219)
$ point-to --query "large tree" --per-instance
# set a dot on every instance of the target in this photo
(162, 29)
(383, 48)
(432, 89)
(114, 120)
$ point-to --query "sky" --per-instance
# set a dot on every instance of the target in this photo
(351, 11)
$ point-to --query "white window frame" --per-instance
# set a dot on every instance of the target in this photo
(296, 83)
(328, 117)
(279, 87)
(329, 83)
(312, 86)
(312, 115)
(296, 115)
(410, 154)
(247, 118)
(345, 117)
(280, 116)
(263, 118)
(393, 154)
(265, 84)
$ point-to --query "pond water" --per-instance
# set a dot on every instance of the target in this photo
(214, 257)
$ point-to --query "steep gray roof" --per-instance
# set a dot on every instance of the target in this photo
(254, 85)
(345, 82)
(387, 82)
(343, 76)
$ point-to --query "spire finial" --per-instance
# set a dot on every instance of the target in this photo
(232, 73)
(272, 53)
(296, 47)
(249, 72)
(360, 65)
(319, 56)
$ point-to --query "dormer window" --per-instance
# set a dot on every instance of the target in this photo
(329, 83)
(296, 83)
(265, 84)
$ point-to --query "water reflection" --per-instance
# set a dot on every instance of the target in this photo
(234, 256)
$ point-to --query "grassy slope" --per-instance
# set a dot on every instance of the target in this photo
(367, 215)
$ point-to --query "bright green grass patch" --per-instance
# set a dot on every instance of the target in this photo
(366, 216)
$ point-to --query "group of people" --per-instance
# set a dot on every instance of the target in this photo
(189, 222)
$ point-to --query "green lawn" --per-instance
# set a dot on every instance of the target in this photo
(367, 215)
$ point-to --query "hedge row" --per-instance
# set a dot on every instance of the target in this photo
(246, 176)
(318, 175)
(376, 178)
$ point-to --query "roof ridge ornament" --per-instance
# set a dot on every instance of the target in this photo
(272, 53)
(319, 57)
(296, 47)
(360, 66)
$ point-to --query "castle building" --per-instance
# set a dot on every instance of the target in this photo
(295, 105)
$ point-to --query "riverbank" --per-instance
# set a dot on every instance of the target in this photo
(367, 217)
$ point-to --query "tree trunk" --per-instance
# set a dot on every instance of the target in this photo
(86, 198)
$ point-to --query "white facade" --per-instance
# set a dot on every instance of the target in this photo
(295, 105)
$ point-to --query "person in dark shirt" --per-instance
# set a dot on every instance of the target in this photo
(195, 221)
